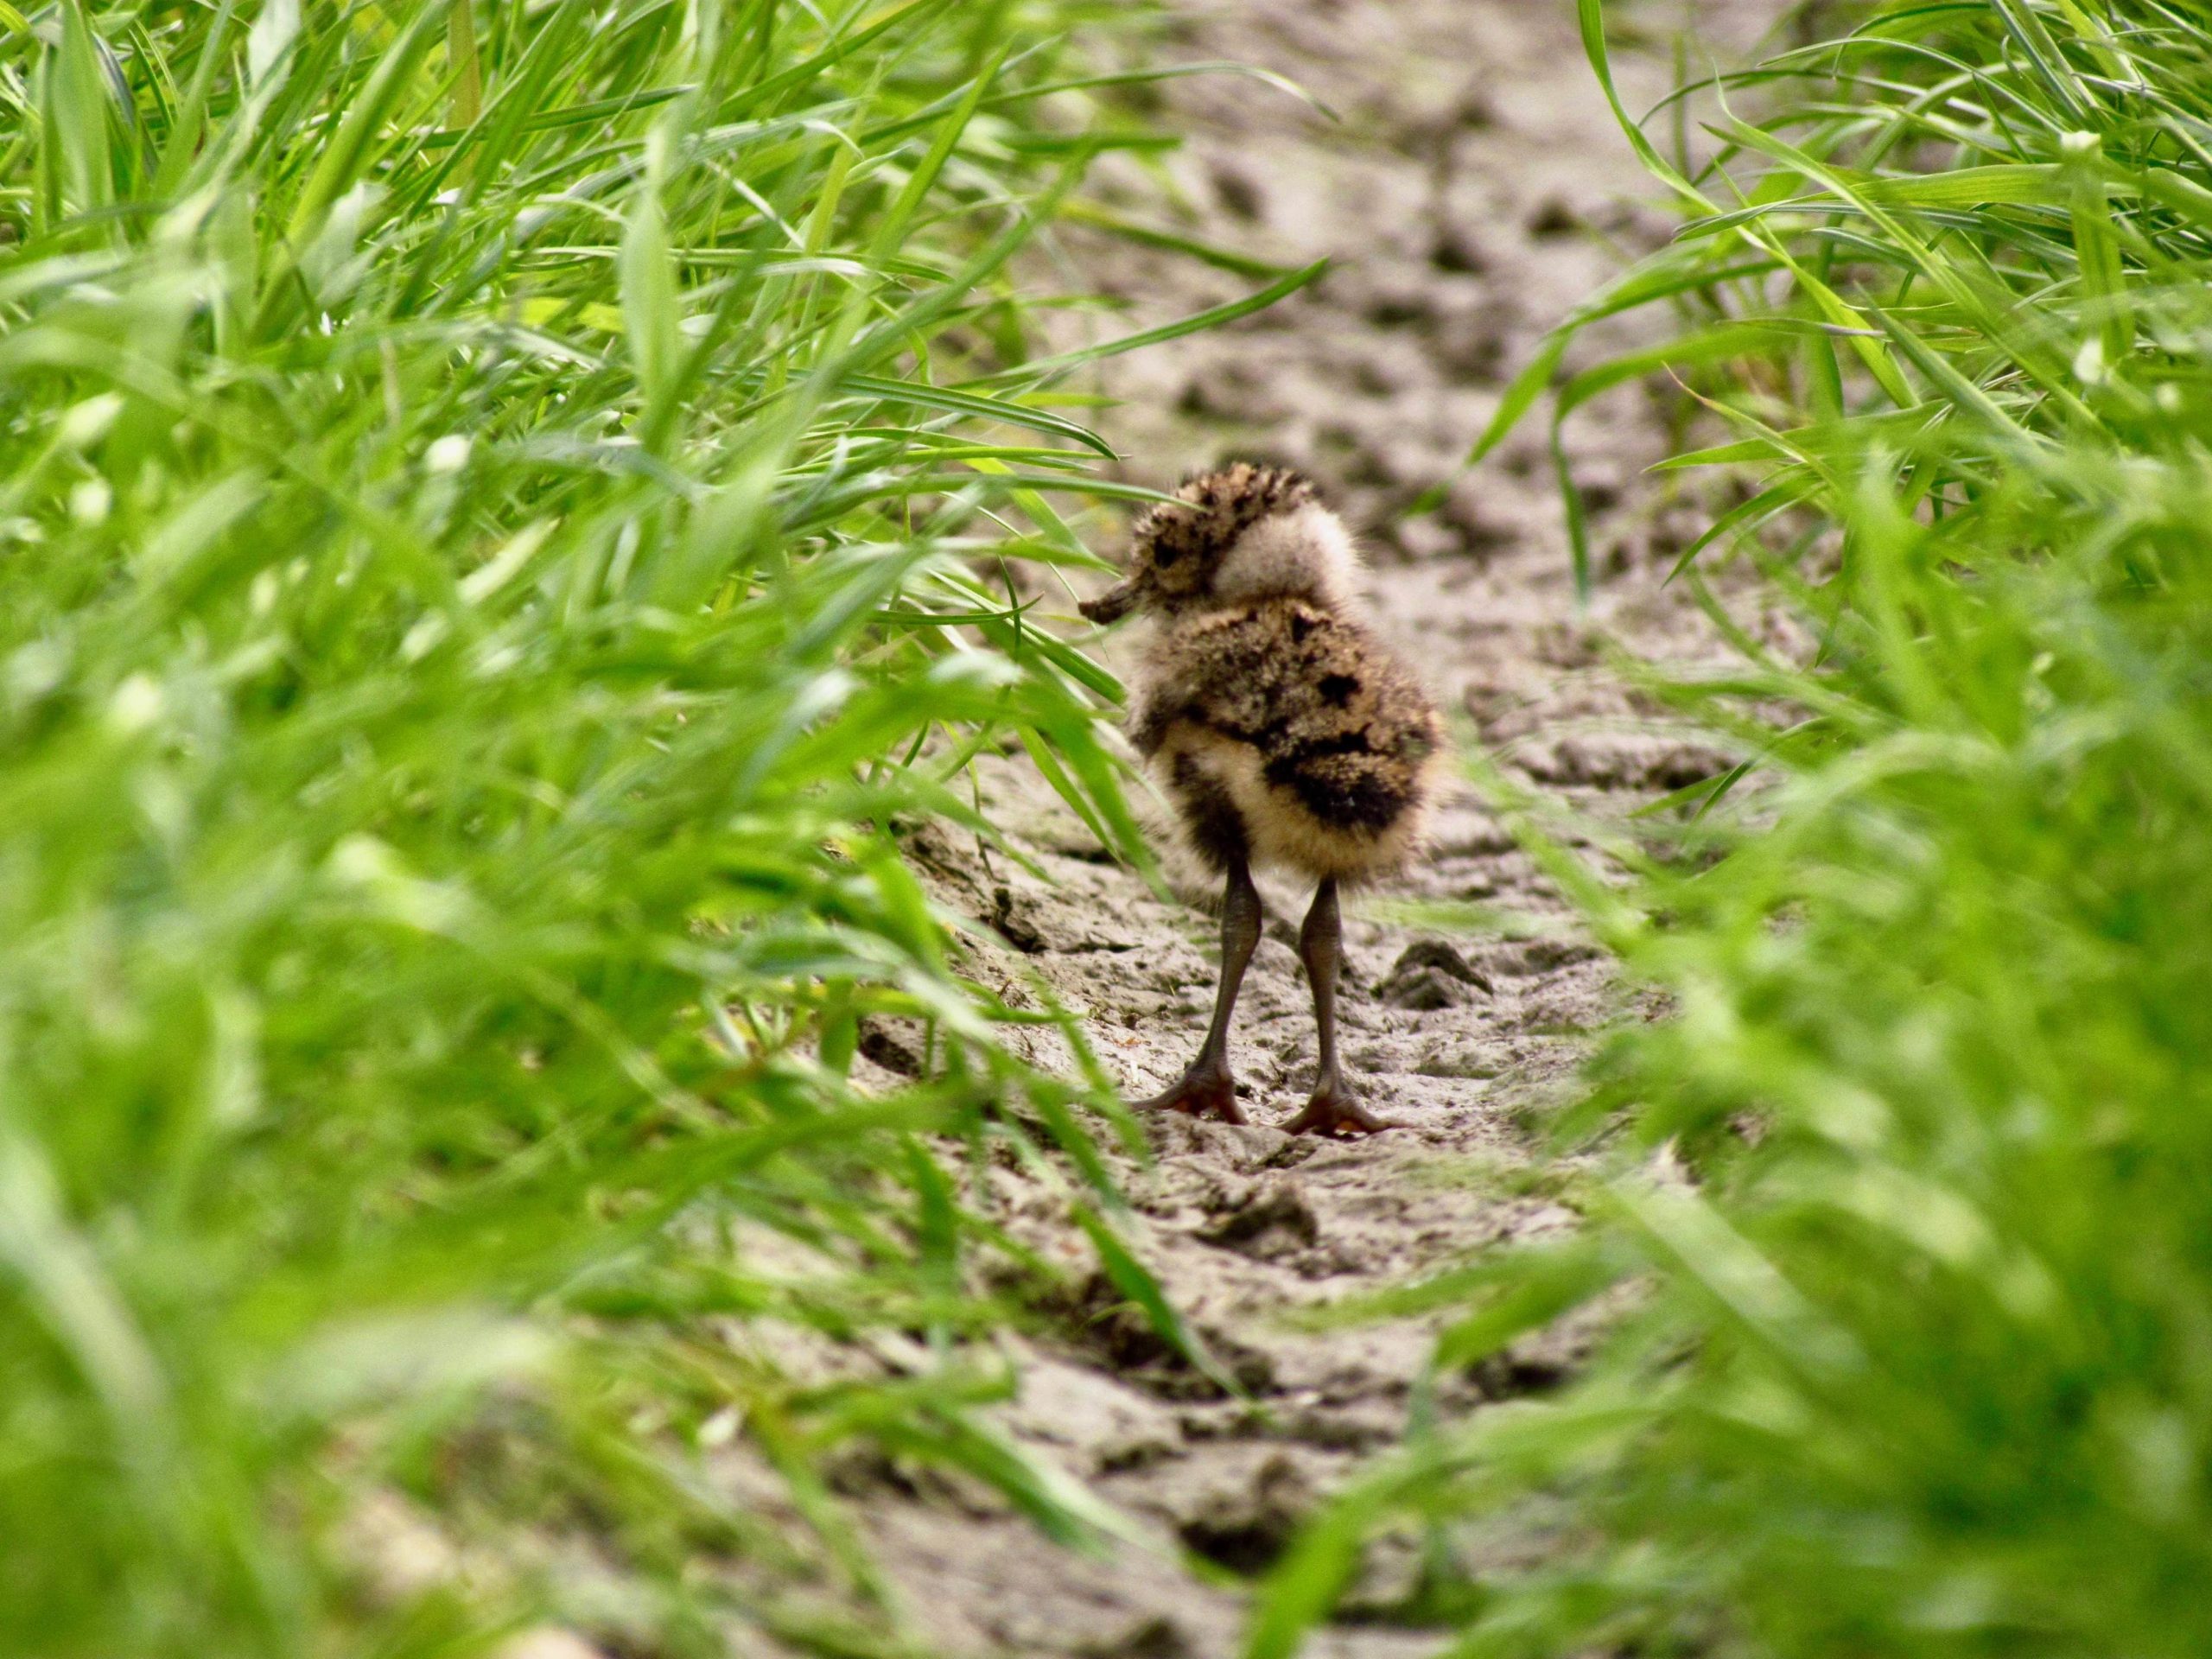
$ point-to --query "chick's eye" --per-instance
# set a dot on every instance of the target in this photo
(1165, 556)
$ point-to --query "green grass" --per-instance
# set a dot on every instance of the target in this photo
(504, 511)
(1917, 1360)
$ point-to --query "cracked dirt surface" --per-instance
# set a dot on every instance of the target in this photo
(1469, 187)
(1473, 188)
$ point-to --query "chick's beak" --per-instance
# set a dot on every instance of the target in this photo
(1111, 606)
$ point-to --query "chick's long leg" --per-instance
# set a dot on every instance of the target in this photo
(1208, 1089)
(1332, 1111)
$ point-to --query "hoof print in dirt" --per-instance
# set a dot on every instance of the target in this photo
(1120, 1334)
(1010, 919)
(869, 1473)
(1239, 189)
(1541, 955)
(1430, 975)
(1423, 990)
(896, 1050)
(1156, 1637)
(1464, 1062)
(1268, 1221)
(1554, 217)
(1246, 1528)
(1458, 252)
(1622, 762)
(1518, 1377)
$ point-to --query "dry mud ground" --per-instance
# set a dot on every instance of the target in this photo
(1473, 188)
(1470, 188)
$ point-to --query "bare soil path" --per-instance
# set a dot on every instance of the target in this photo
(1473, 187)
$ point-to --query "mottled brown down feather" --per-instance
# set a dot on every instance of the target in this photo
(1282, 729)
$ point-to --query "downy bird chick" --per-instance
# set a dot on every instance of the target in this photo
(1281, 729)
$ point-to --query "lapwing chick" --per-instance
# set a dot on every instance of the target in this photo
(1280, 728)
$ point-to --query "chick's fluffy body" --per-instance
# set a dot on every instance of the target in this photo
(1282, 729)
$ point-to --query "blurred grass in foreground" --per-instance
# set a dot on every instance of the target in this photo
(1918, 1359)
(490, 504)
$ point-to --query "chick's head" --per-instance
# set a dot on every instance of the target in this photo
(1230, 537)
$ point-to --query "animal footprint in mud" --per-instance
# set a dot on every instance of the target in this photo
(1153, 1636)
(1266, 1221)
(1429, 974)
(1246, 1526)
(1011, 918)
(1142, 1357)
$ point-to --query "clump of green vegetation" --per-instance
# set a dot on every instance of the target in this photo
(1918, 1360)
(497, 508)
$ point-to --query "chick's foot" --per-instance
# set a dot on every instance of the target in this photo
(1333, 1113)
(1198, 1093)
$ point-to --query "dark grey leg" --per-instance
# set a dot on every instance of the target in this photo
(1208, 1089)
(1320, 943)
